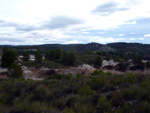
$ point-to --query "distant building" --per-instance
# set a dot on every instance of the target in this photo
(32, 58)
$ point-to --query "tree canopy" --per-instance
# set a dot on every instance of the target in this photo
(9, 57)
(38, 57)
(14, 71)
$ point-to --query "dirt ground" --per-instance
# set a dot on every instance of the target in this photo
(41, 73)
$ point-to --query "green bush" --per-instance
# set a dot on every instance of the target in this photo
(98, 72)
(15, 71)
(86, 91)
(143, 107)
(67, 110)
(126, 108)
(130, 78)
(104, 104)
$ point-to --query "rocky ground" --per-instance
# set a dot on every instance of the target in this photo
(85, 69)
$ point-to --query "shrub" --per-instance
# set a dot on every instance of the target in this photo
(15, 71)
(67, 110)
(86, 91)
(130, 78)
(98, 62)
(129, 93)
(126, 108)
(116, 98)
(98, 82)
(143, 107)
(104, 104)
(98, 72)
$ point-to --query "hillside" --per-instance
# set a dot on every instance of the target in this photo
(132, 48)
(135, 48)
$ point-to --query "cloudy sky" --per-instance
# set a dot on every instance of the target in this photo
(30, 22)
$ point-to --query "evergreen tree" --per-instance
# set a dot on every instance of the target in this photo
(107, 57)
(5, 49)
(58, 52)
(9, 57)
(14, 71)
(26, 56)
(98, 61)
(126, 57)
(64, 56)
(137, 60)
(38, 57)
(71, 58)
(148, 64)
(52, 55)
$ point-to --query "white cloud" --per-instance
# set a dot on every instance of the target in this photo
(147, 35)
(132, 39)
(133, 22)
(85, 32)
(73, 42)
(141, 38)
(65, 16)
(121, 34)
(104, 40)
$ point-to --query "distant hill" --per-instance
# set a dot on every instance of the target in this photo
(68, 47)
(134, 48)
(120, 47)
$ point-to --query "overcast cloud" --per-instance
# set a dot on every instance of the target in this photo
(31, 22)
(109, 8)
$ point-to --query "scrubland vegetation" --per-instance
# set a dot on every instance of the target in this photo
(100, 92)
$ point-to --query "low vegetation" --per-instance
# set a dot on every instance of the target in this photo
(99, 93)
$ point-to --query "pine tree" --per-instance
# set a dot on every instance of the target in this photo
(38, 57)
(9, 57)
(14, 71)
(26, 56)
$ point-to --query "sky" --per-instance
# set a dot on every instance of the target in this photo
(33, 22)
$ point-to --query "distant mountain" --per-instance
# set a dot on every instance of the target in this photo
(135, 48)
(120, 47)
(78, 47)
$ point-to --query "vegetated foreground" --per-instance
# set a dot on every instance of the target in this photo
(73, 82)
(99, 93)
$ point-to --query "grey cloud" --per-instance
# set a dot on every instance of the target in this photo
(19, 27)
(26, 28)
(11, 39)
(108, 8)
(60, 22)
(56, 22)
(7, 24)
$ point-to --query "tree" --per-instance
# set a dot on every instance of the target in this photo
(64, 56)
(26, 56)
(14, 71)
(58, 52)
(137, 60)
(53, 54)
(38, 57)
(71, 58)
(9, 57)
(107, 56)
(5, 49)
(98, 61)
(148, 64)
(126, 57)
(116, 58)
